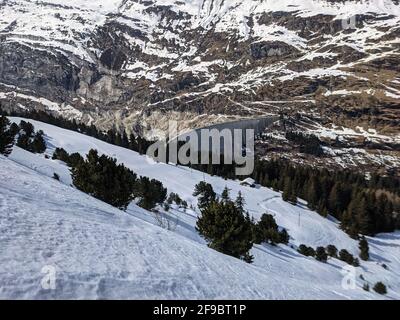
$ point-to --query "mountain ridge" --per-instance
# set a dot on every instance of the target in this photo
(129, 63)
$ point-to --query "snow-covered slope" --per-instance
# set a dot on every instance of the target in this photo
(101, 252)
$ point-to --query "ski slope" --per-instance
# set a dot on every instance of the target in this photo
(100, 252)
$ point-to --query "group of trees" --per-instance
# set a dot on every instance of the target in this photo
(71, 160)
(104, 179)
(363, 206)
(347, 257)
(223, 223)
(308, 143)
(267, 230)
(113, 136)
(101, 177)
(175, 198)
(228, 228)
(150, 192)
(27, 138)
(322, 254)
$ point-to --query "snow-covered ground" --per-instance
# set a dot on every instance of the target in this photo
(99, 251)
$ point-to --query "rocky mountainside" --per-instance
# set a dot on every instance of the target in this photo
(129, 62)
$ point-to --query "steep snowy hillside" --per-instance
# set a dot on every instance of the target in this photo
(129, 62)
(101, 252)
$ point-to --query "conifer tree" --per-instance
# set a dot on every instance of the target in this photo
(225, 195)
(380, 288)
(284, 236)
(332, 251)
(240, 202)
(347, 257)
(206, 194)
(364, 249)
(38, 144)
(103, 178)
(149, 192)
(266, 230)
(306, 251)
(6, 136)
(320, 254)
(60, 154)
(226, 229)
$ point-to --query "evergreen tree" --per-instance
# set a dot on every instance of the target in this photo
(332, 251)
(23, 141)
(284, 236)
(312, 193)
(347, 257)
(206, 194)
(29, 140)
(306, 251)
(14, 129)
(289, 194)
(225, 195)
(240, 202)
(149, 192)
(103, 178)
(364, 249)
(320, 254)
(27, 128)
(38, 144)
(6, 136)
(60, 154)
(380, 288)
(75, 159)
(267, 230)
(226, 229)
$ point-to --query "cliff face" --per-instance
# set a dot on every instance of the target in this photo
(128, 63)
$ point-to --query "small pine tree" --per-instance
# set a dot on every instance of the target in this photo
(366, 287)
(332, 251)
(184, 204)
(347, 257)
(29, 140)
(240, 202)
(225, 195)
(60, 154)
(206, 194)
(266, 230)
(166, 206)
(380, 288)
(149, 192)
(56, 176)
(364, 249)
(38, 144)
(103, 178)
(284, 236)
(356, 262)
(226, 229)
(6, 136)
(306, 251)
(321, 255)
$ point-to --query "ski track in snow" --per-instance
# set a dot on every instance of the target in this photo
(100, 252)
